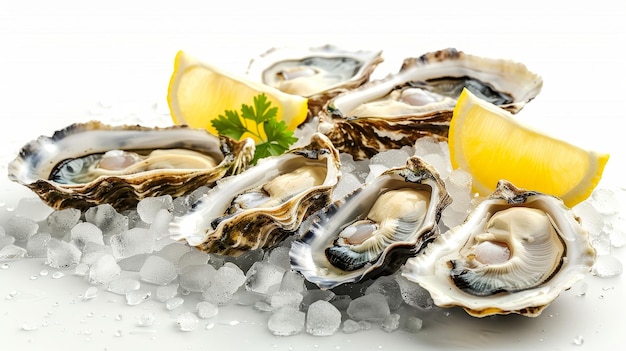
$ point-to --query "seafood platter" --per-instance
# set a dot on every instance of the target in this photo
(514, 252)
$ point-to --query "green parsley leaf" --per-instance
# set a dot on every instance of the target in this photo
(253, 117)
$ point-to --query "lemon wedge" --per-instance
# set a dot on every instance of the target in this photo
(490, 144)
(199, 92)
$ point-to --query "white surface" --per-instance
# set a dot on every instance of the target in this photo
(61, 62)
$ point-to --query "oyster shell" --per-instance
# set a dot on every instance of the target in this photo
(515, 253)
(264, 204)
(317, 73)
(419, 100)
(87, 164)
(373, 230)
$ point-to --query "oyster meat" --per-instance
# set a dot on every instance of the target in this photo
(317, 73)
(264, 204)
(86, 164)
(373, 230)
(419, 100)
(515, 253)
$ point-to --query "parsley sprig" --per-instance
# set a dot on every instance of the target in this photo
(276, 137)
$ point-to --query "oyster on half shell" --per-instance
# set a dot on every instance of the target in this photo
(373, 230)
(86, 164)
(317, 73)
(264, 204)
(515, 253)
(419, 100)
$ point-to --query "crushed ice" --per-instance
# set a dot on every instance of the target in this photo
(106, 247)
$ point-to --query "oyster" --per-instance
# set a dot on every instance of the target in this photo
(373, 230)
(87, 164)
(515, 253)
(318, 73)
(264, 204)
(418, 100)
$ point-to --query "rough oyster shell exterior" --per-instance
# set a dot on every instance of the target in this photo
(424, 94)
(309, 253)
(223, 222)
(37, 160)
(436, 268)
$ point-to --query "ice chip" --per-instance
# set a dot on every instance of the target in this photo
(104, 270)
(93, 251)
(227, 280)
(427, 145)
(174, 303)
(413, 294)
(347, 184)
(371, 307)
(161, 223)
(351, 326)
(292, 282)
(33, 208)
(6, 239)
(206, 310)
(149, 207)
(313, 295)
(388, 287)
(12, 252)
(132, 242)
(390, 158)
(37, 245)
(174, 251)
(121, 286)
(286, 321)
(192, 257)
(105, 217)
(61, 222)
(61, 254)
(146, 319)
(607, 266)
(21, 228)
(279, 256)
(391, 323)
(85, 232)
(187, 321)
(375, 171)
(166, 292)
(135, 297)
(133, 263)
(322, 318)
(413, 324)
(264, 278)
(157, 270)
(196, 278)
(282, 299)
(605, 201)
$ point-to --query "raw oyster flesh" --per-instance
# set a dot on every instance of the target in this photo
(419, 100)
(264, 204)
(317, 73)
(373, 230)
(87, 164)
(515, 253)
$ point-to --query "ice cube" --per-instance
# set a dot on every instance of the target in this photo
(388, 287)
(105, 217)
(413, 324)
(293, 282)
(60, 222)
(148, 207)
(61, 254)
(166, 292)
(12, 252)
(21, 228)
(206, 310)
(282, 299)
(413, 294)
(196, 278)
(174, 251)
(37, 245)
(187, 321)
(322, 318)
(286, 321)
(161, 223)
(391, 323)
(104, 270)
(371, 307)
(279, 256)
(390, 158)
(157, 270)
(193, 257)
(132, 242)
(33, 208)
(121, 286)
(227, 280)
(85, 232)
(264, 278)
(174, 303)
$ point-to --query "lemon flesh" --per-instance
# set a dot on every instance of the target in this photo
(490, 144)
(199, 92)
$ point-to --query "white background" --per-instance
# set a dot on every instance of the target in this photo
(63, 62)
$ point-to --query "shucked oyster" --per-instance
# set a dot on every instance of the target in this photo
(264, 204)
(515, 253)
(318, 73)
(87, 164)
(373, 230)
(418, 100)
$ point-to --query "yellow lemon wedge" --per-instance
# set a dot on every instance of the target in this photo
(490, 144)
(199, 92)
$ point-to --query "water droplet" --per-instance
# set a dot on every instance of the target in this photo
(118, 317)
(43, 273)
(118, 333)
(28, 326)
(57, 275)
(579, 340)
(33, 277)
(5, 266)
